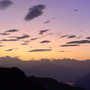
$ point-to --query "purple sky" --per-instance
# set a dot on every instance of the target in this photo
(70, 17)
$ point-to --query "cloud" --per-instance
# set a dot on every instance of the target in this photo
(76, 10)
(40, 50)
(68, 45)
(33, 39)
(45, 41)
(34, 12)
(26, 42)
(23, 37)
(9, 40)
(7, 32)
(64, 36)
(13, 30)
(9, 50)
(79, 42)
(4, 4)
(48, 21)
(43, 31)
(4, 33)
(88, 37)
(72, 36)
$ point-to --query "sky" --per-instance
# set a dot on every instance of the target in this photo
(35, 29)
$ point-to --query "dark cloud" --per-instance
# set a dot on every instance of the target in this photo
(33, 39)
(23, 37)
(9, 50)
(13, 30)
(64, 36)
(68, 45)
(76, 10)
(40, 50)
(5, 4)
(4, 33)
(88, 37)
(9, 40)
(43, 31)
(45, 41)
(34, 12)
(72, 36)
(7, 32)
(79, 42)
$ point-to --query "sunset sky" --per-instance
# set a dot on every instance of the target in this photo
(35, 29)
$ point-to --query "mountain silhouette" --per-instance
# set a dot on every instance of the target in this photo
(15, 79)
(52, 84)
(83, 82)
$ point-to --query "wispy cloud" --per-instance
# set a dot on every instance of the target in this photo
(12, 30)
(45, 41)
(23, 37)
(43, 31)
(9, 40)
(32, 39)
(68, 45)
(4, 4)
(34, 12)
(9, 50)
(40, 50)
(4, 33)
(79, 42)
(72, 36)
(63, 36)
(8, 31)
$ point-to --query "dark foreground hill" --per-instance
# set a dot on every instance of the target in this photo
(84, 82)
(15, 79)
(51, 84)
